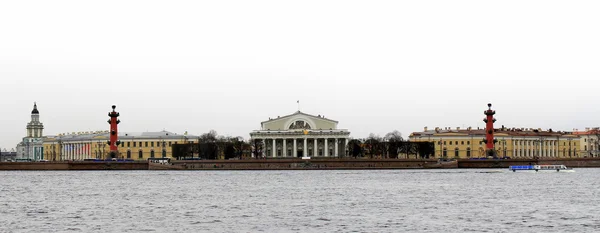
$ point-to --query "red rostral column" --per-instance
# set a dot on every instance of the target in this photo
(489, 131)
(114, 133)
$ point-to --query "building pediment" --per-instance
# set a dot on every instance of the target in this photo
(299, 121)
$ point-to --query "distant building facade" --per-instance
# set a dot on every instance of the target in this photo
(31, 148)
(511, 142)
(589, 141)
(301, 135)
(93, 145)
(6, 156)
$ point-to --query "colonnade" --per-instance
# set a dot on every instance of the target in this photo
(76, 151)
(310, 147)
(536, 148)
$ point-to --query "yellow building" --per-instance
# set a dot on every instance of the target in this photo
(512, 142)
(93, 145)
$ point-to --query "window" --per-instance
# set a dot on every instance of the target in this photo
(140, 154)
(445, 153)
(310, 152)
(480, 142)
(456, 152)
(585, 147)
(462, 142)
(468, 143)
(450, 142)
(584, 140)
(128, 154)
(164, 153)
(128, 144)
(169, 144)
(320, 152)
(134, 144)
(468, 152)
(444, 143)
(152, 145)
(289, 152)
(456, 142)
(145, 144)
(152, 154)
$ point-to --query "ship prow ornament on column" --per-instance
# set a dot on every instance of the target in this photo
(114, 133)
(489, 132)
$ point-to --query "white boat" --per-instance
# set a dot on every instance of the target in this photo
(541, 168)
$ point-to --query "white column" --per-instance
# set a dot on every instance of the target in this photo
(315, 148)
(346, 147)
(514, 154)
(541, 151)
(295, 152)
(274, 148)
(335, 153)
(305, 149)
(264, 150)
(326, 149)
(284, 152)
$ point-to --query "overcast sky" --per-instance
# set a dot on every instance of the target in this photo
(374, 66)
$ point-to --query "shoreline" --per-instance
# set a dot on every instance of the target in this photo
(299, 164)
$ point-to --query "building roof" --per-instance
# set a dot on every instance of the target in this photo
(517, 132)
(299, 112)
(104, 135)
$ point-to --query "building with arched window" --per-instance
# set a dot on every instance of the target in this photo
(301, 135)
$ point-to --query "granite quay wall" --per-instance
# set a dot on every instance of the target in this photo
(505, 163)
(293, 164)
(494, 163)
(579, 162)
(74, 166)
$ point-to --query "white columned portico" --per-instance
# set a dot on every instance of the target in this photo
(295, 152)
(284, 152)
(315, 148)
(274, 149)
(297, 126)
(326, 149)
(335, 153)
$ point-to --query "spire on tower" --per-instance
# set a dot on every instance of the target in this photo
(35, 110)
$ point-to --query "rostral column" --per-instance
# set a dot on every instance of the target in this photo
(114, 133)
(489, 132)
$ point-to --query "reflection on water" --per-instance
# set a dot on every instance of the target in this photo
(299, 201)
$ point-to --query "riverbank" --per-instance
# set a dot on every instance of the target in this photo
(296, 164)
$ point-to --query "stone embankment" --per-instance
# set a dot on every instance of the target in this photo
(297, 164)
(73, 165)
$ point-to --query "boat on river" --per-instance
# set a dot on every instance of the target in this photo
(541, 168)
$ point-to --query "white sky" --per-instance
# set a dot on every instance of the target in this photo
(375, 66)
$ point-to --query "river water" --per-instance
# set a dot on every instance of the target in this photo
(299, 201)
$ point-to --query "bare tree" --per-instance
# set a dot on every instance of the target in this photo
(394, 141)
(373, 145)
(211, 136)
(257, 147)
(355, 148)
